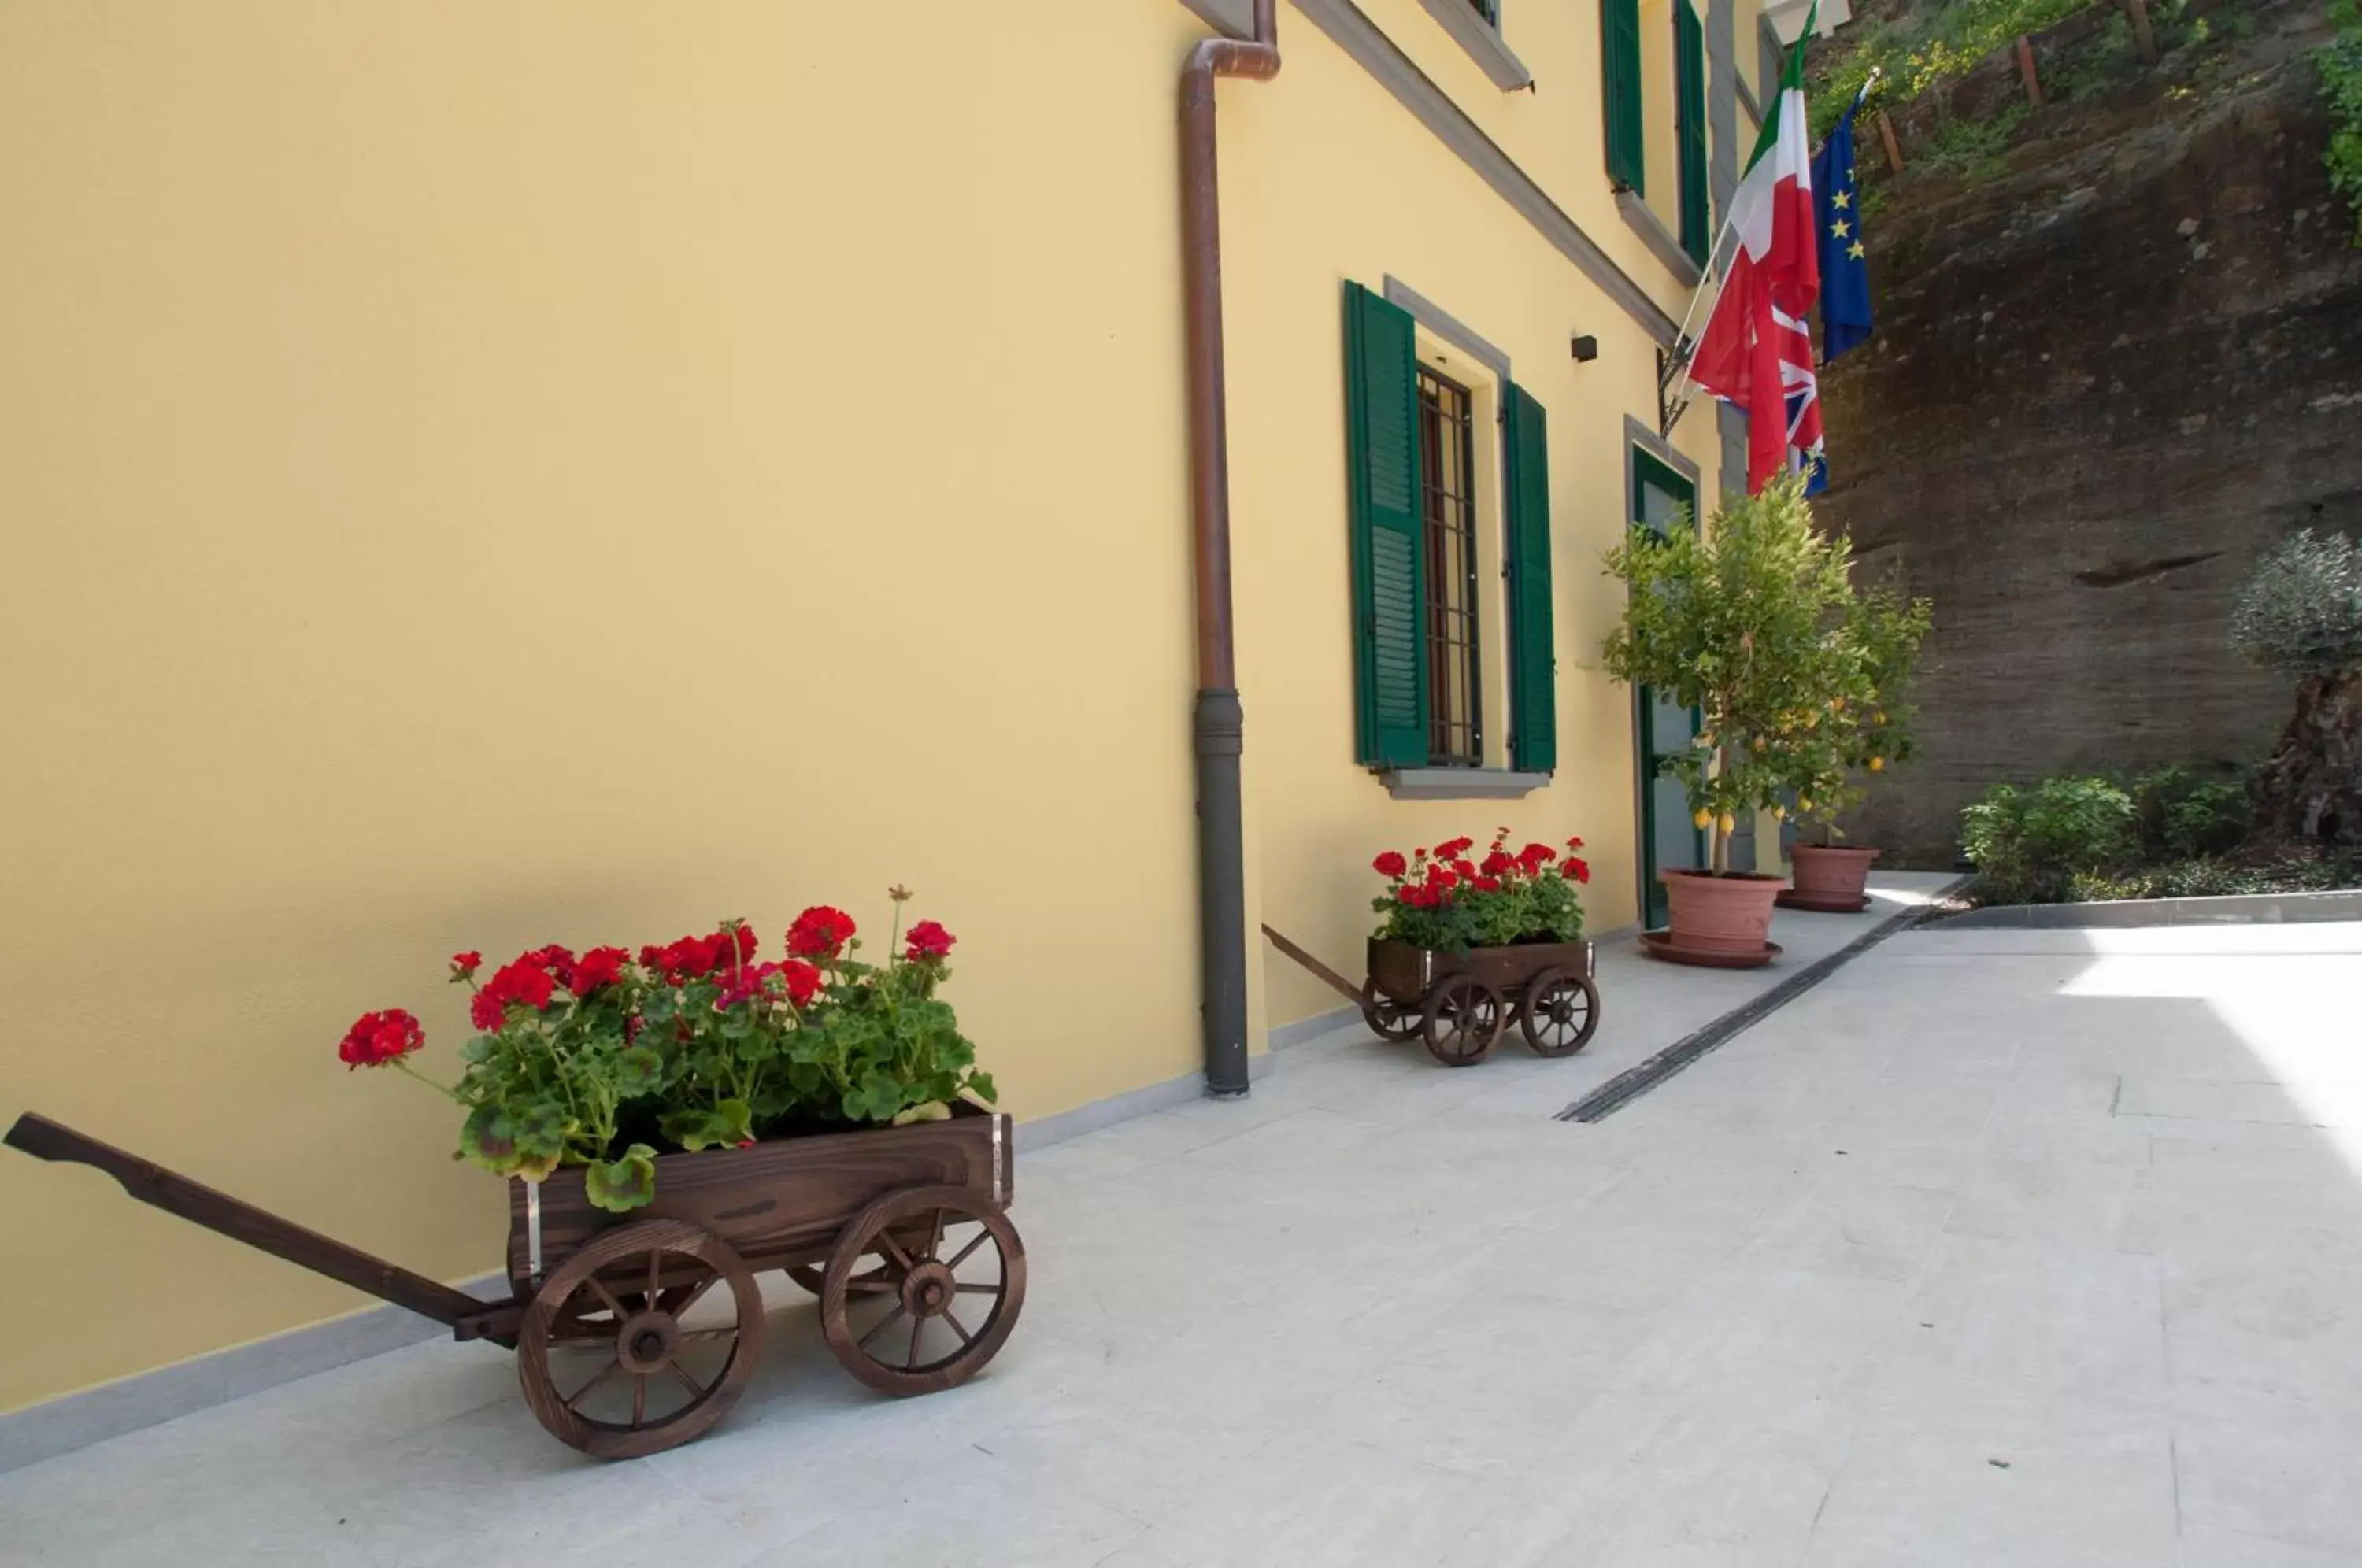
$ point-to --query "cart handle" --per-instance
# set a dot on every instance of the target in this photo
(200, 1205)
(1342, 986)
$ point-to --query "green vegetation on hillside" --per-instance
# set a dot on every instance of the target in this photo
(2341, 84)
(1929, 45)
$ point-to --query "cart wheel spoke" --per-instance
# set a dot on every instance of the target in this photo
(613, 1366)
(977, 1290)
(656, 1278)
(870, 1288)
(680, 1375)
(608, 1297)
(957, 1327)
(902, 1258)
(705, 1336)
(918, 1325)
(696, 1294)
(639, 1399)
(934, 1237)
(981, 1237)
(881, 1325)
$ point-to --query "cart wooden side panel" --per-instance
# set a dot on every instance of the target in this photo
(776, 1203)
(1406, 974)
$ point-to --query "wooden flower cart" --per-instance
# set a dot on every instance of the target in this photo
(1458, 1004)
(635, 1332)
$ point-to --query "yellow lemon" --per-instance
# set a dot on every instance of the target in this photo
(1803, 804)
(1706, 738)
(1702, 818)
(1878, 765)
(1780, 814)
(1728, 821)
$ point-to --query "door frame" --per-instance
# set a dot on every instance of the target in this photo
(1647, 459)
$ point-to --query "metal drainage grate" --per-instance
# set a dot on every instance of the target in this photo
(1633, 1082)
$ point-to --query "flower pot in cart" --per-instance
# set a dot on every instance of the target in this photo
(1722, 923)
(1829, 880)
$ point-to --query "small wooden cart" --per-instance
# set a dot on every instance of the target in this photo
(636, 1333)
(1458, 1003)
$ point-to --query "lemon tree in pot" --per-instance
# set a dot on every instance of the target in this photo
(1882, 632)
(1747, 622)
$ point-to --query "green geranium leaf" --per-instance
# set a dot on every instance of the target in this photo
(478, 1050)
(489, 1139)
(639, 1071)
(620, 1186)
(539, 1131)
(980, 1085)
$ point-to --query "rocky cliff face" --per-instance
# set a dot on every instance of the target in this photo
(2102, 384)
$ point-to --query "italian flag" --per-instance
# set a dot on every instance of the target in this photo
(1756, 351)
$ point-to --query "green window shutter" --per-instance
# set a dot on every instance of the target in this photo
(1533, 654)
(1619, 22)
(1389, 590)
(1689, 79)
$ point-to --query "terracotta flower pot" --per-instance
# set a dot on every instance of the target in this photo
(1719, 920)
(1831, 877)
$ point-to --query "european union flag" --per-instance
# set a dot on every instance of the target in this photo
(1845, 273)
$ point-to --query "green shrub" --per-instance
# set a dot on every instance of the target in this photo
(2340, 64)
(1975, 150)
(2030, 845)
(2180, 816)
(2300, 613)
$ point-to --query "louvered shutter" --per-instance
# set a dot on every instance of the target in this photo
(1689, 80)
(1619, 23)
(1533, 652)
(1389, 590)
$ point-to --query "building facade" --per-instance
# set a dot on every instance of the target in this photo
(488, 472)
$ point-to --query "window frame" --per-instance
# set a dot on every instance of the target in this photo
(1475, 26)
(1455, 626)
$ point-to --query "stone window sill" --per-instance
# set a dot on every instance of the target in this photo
(1643, 221)
(1460, 783)
(1481, 39)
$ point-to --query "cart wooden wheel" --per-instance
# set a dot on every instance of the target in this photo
(1464, 1017)
(953, 1284)
(628, 1349)
(1560, 1012)
(1387, 1019)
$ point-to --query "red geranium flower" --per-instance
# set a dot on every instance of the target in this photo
(600, 966)
(465, 965)
(1496, 863)
(1575, 843)
(1535, 855)
(1488, 884)
(1576, 867)
(377, 1038)
(1390, 864)
(802, 980)
(1439, 877)
(1451, 847)
(522, 981)
(1466, 869)
(820, 932)
(928, 939)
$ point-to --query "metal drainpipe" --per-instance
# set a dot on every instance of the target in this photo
(1218, 723)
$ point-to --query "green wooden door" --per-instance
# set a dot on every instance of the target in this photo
(1662, 499)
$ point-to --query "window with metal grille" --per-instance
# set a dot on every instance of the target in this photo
(1447, 444)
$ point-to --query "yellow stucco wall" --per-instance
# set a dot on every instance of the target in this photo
(1301, 217)
(482, 473)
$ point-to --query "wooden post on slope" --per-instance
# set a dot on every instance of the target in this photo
(2143, 36)
(2025, 70)
(1886, 140)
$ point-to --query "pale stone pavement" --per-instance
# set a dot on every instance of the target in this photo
(1998, 1248)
